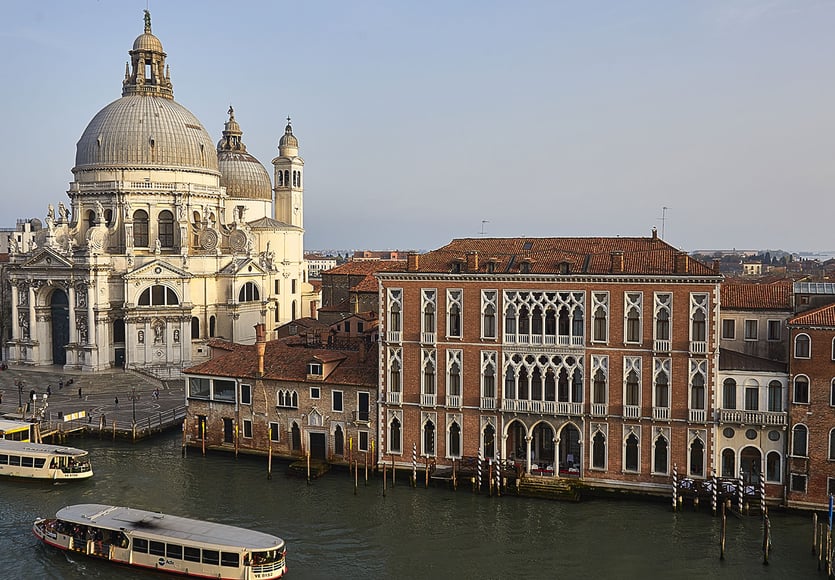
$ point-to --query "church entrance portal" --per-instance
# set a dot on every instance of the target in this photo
(60, 314)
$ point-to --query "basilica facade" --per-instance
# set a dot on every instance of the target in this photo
(167, 240)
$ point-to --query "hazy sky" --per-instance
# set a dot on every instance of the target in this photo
(419, 120)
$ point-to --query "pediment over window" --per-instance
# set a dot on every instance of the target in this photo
(157, 270)
(243, 267)
(47, 258)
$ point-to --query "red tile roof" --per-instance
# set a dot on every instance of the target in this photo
(823, 316)
(367, 267)
(367, 284)
(583, 256)
(744, 295)
(283, 362)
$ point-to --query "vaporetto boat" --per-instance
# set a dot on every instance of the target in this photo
(41, 461)
(167, 543)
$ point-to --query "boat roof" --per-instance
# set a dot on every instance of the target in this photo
(155, 525)
(11, 425)
(18, 446)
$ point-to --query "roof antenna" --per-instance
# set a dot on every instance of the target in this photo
(663, 219)
(482, 225)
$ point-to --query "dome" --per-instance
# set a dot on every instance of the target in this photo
(288, 139)
(241, 173)
(145, 131)
(147, 42)
(244, 176)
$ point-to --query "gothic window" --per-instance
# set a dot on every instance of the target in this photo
(663, 305)
(697, 392)
(249, 293)
(599, 396)
(166, 229)
(454, 372)
(489, 441)
(598, 456)
(429, 372)
(140, 228)
(395, 305)
(662, 387)
(660, 455)
(429, 438)
(600, 323)
(454, 305)
(631, 454)
(428, 307)
(633, 317)
(488, 377)
(697, 458)
(395, 368)
(395, 436)
(338, 441)
(698, 317)
(454, 445)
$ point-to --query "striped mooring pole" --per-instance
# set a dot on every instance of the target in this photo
(414, 464)
(715, 495)
(762, 494)
(740, 491)
(675, 486)
(478, 473)
(498, 472)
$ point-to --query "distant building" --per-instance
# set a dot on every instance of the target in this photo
(351, 289)
(754, 317)
(752, 268)
(317, 263)
(365, 255)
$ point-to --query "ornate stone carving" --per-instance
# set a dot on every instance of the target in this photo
(237, 241)
(207, 239)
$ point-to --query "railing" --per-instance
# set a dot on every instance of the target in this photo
(631, 411)
(510, 338)
(518, 405)
(661, 413)
(698, 346)
(395, 398)
(565, 408)
(550, 339)
(662, 346)
(428, 400)
(427, 337)
(753, 417)
(394, 336)
(488, 403)
(453, 401)
(698, 416)
(599, 409)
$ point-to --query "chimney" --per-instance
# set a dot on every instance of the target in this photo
(682, 263)
(717, 265)
(362, 351)
(260, 347)
(472, 261)
(617, 262)
(412, 262)
(654, 233)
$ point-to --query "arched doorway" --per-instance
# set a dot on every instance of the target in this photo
(750, 461)
(569, 453)
(542, 446)
(60, 314)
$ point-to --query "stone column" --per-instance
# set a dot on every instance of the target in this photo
(31, 312)
(15, 326)
(91, 320)
(71, 300)
(528, 454)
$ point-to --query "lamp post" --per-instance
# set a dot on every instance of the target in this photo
(133, 398)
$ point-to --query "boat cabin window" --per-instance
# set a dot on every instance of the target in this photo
(156, 548)
(39, 462)
(14, 460)
(27, 461)
(174, 551)
(140, 545)
(191, 554)
(4, 459)
(230, 559)
(211, 557)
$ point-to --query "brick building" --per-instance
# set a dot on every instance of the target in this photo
(592, 358)
(351, 288)
(811, 465)
(284, 396)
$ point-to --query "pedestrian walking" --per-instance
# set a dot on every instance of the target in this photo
(49, 390)
(117, 402)
(60, 384)
(79, 392)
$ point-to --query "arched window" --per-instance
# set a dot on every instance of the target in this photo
(631, 463)
(697, 392)
(577, 387)
(728, 463)
(488, 389)
(598, 455)
(166, 229)
(801, 389)
(600, 325)
(293, 310)
(509, 384)
(662, 325)
(662, 390)
(832, 445)
(140, 228)
(510, 320)
(394, 377)
(802, 346)
(729, 394)
(158, 295)
(775, 397)
(429, 438)
(772, 467)
(454, 386)
(489, 441)
(698, 326)
(454, 320)
(395, 441)
(800, 437)
(195, 327)
(338, 441)
(659, 464)
(249, 293)
(697, 457)
(455, 440)
(633, 325)
(599, 388)
(211, 326)
(91, 219)
(633, 391)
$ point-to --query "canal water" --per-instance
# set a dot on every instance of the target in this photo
(409, 533)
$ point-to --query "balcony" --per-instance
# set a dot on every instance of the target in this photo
(428, 400)
(565, 408)
(662, 346)
(697, 416)
(738, 417)
(518, 405)
(394, 398)
(599, 409)
(631, 411)
(661, 413)
(394, 336)
(488, 403)
(698, 347)
(453, 401)
(427, 337)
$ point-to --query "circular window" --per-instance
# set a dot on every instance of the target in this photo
(774, 435)
(751, 434)
(728, 432)
(157, 270)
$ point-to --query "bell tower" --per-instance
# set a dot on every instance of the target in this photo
(289, 180)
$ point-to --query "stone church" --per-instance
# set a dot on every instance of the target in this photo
(166, 240)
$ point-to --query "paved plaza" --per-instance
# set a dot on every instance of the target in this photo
(98, 393)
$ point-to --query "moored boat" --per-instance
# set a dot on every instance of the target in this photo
(41, 461)
(167, 543)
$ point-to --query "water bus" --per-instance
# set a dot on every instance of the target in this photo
(156, 541)
(42, 461)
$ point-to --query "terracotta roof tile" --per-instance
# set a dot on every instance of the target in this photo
(367, 267)
(742, 295)
(368, 284)
(823, 316)
(583, 256)
(283, 362)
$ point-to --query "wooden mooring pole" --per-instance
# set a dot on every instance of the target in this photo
(356, 475)
(766, 536)
(384, 479)
(723, 533)
(814, 532)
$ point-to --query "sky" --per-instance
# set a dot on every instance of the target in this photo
(420, 122)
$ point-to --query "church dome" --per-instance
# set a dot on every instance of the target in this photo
(241, 173)
(146, 128)
(145, 131)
